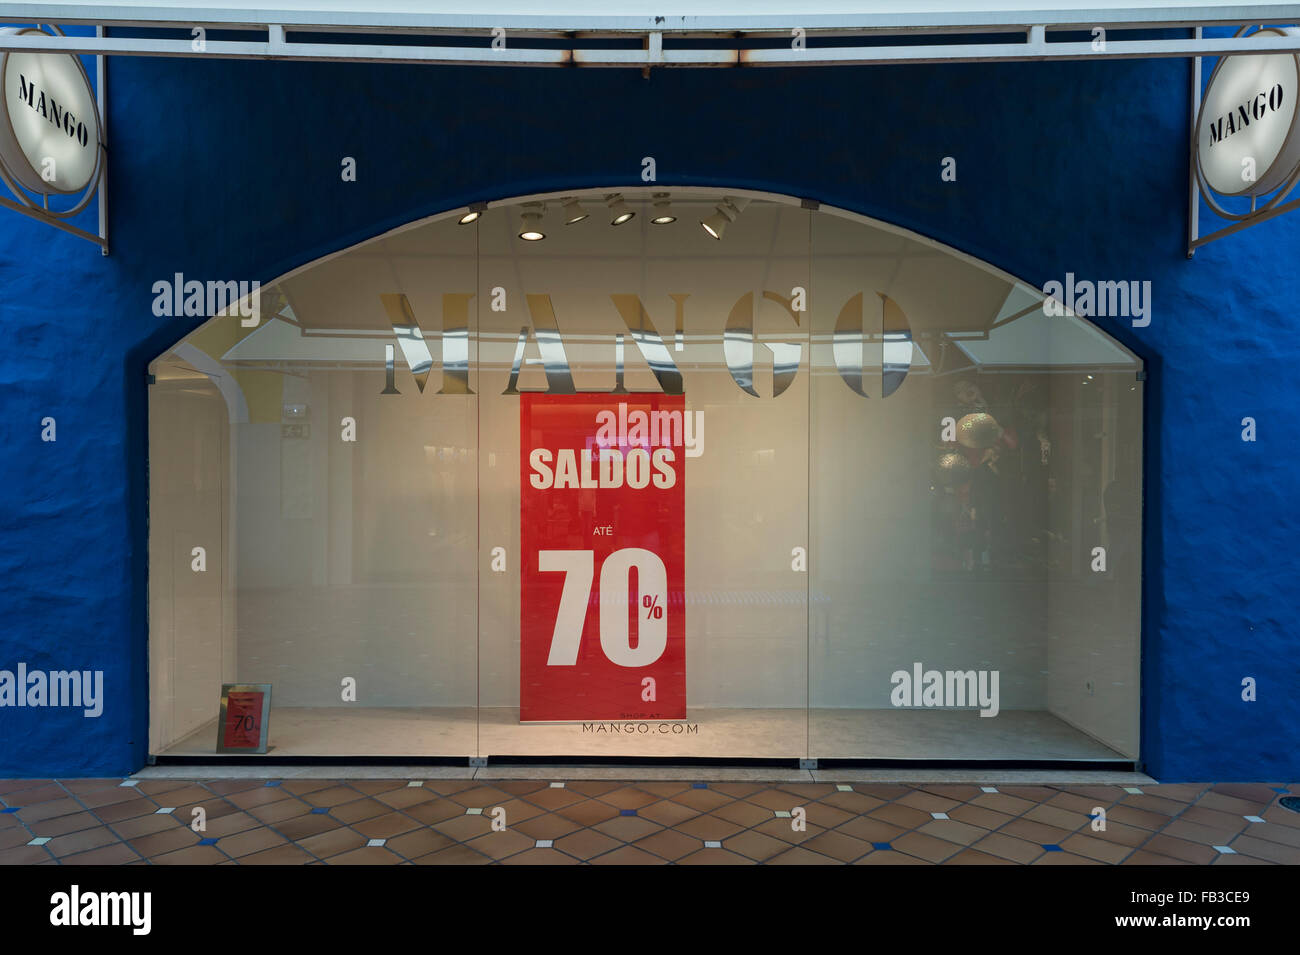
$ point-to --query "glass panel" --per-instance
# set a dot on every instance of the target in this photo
(338, 511)
(971, 452)
(192, 627)
(616, 491)
(681, 302)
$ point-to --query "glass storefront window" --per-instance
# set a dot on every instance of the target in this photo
(975, 512)
(711, 474)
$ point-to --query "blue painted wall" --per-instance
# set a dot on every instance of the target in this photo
(225, 169)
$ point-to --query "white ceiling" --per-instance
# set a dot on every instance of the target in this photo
(336, 316)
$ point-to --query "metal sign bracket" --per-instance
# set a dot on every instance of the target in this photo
(1272, 208)
(39, 208)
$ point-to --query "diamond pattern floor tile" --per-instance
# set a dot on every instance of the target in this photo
(610, 822)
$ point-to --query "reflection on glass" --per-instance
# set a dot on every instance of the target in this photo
(966, 514)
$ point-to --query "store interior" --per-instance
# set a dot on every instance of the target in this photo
(907, 467)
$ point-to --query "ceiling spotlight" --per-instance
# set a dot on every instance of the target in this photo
(725, 213)
(476, 209)
(530, 222)
(663, 210)
(573, 211)
(618, 209)
(715, 225)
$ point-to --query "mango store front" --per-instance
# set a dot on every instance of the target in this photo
(632, 442)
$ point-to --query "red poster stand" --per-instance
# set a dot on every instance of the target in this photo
(243, 722)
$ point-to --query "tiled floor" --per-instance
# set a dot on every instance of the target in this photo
(451, 821)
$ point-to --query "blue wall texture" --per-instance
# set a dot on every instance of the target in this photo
(230, 169)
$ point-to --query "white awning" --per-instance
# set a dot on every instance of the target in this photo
(638, 16)
(641, 33)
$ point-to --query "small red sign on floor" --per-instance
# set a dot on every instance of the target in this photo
(245, 709)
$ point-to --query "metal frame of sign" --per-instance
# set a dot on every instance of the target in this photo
(1199, 189)
(226, 690)
(96, 188)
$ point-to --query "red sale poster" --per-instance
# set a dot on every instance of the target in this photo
(243, 728)
(602, 501)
